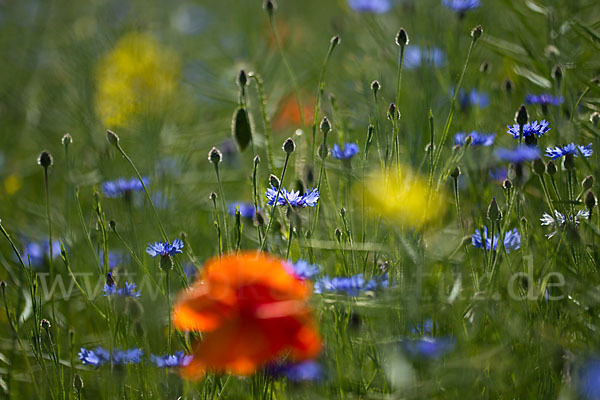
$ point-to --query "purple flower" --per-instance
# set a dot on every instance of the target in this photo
(372, 6)
(165, 249)
(39, 252)
(96, 357)
(304, 371)
(428, 347)
(529, 129)
(512, 240)
(303, 270)
(415, 56)
(294, 198)
(122, 187)
(131, 356)
(544, 99)
(246, 209)
(110, 288)
(518, 155)
(352, 285)
(179, 359)
(478, 139)
(461, 6)
(346, 152)
(588, 382)
(571, 148)
(473, 98)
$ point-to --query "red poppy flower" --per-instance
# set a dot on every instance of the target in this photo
(251, 310)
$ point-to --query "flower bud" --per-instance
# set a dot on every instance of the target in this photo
(270, 6)
(256, 160)
(455, 173)
(335, 40)
(538, 166)
(342, 212)
(484, 67)
(215, 156)
(521, 117)
(338, 234)
(551, 168)
(45, 159)
(325, 126)
(595, 118)
(477, 32)
(77, 383)
(3, 284)
(242, 79)
(493, 212)
(166, 263)
(66, 139)
(375, 86)
(45, 324)
(392, 112)
(212, 196)
(109, 279)
(507, 184)
(323, 151)
(274, 181)
(468, 140)
(590, 200)
(588, 182)
(112, 138)
(569, 161)
(507, 85)
(402, 38)
(557, 73)
(289, 146)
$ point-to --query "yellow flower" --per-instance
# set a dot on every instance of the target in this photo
(136, 78)
(12, 184)
(404, 198)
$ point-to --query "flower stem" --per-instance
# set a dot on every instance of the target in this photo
(285, 164)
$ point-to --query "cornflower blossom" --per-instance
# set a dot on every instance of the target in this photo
(560, 220)
(123, 187)
(512, 240)
(293, 198)
(572, 148)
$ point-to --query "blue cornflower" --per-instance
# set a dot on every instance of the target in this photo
(372, 6)
(346, 152)
(428, 347)
(131, 356)
(478, 139)
(304, 371)
(518, 155)
(294, 198)
(190, 271)
(246, 209)
(303, 270)
(39, 252)
(96, 357)
(122, 186)
(352, 286)
(179, 359)
(110, 288)
(498, 174)
(512, 240)
(544, 99)
(460, 6)
(529, 129)
(165, 249)
(588, 382)
(415, 56)
(559, 220)
(571, 148)
(473, 98)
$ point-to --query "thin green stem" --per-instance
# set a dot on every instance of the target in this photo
(222, 196)
(273, 208)
(320, 90)
(267, 125)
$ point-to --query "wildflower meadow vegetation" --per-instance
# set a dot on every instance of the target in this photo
(343, 199)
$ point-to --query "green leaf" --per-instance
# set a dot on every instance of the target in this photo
(241, 130)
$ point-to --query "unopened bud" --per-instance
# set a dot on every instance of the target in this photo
(270, 6)
(551, 168)
(335, 40)
(521, 117)
(569, 161)
(507, 184)
(212, 196)
(338, 234)
(66, 139)
(112, 138)
(242, 79)
(557, 73)
(45, 324)
(392, 112)
(77, 383)
(109, 279)
(590, 200)
(2, 284)
(595, 118)
(325, 126)
(493, 212)
(455, 173)
(588, 182)
(477, 32)
(402, 38)
(323, 151)
(112, 225)
(215, 156)
(375, 86)
(538, 166)
(45, 159)
(507, 85)
(289, 146)
(274, 181)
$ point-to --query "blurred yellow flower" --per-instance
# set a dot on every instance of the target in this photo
(404, 197)
(137, 77)
(12, 184)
